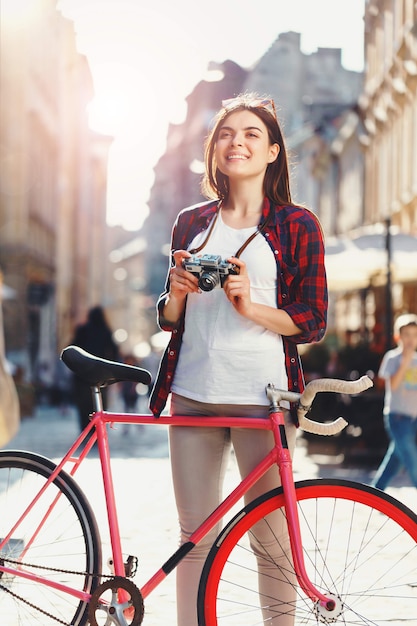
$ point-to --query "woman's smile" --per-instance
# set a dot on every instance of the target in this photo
(236, 157)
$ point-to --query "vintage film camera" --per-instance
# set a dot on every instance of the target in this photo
(211, 270)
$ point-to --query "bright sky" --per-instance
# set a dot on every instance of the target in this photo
(146, 57)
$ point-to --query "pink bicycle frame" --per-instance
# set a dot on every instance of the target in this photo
(279, 455)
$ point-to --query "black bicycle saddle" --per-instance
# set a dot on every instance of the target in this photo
(98, 372)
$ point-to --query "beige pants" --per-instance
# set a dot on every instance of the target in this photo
(199, 458)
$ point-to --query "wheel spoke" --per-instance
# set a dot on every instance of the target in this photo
(360, 547)
(56, 540)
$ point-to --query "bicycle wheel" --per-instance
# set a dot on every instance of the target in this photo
(58, 540)
(359, 544)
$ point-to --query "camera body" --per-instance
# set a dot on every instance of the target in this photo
(210, 269)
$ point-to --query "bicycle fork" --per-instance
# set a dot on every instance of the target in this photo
(290, 504)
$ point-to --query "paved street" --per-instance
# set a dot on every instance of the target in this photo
(143, 485)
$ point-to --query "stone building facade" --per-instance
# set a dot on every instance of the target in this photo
(53, 187)
(387, 109)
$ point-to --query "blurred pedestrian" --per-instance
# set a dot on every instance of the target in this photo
(399, 370)
(128, 388)
(94, 336)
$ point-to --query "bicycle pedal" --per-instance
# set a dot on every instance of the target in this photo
(131, 566)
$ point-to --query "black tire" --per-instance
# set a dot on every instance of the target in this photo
(359, 544)
(67, 548)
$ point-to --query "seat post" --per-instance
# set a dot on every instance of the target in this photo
(97, 398)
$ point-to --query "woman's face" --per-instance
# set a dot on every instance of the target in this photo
(243, 149)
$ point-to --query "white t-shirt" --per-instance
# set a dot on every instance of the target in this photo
(224, 357)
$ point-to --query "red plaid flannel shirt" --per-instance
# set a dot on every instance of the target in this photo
(294, 236)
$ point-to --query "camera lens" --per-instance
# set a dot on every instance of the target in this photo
(208, 281)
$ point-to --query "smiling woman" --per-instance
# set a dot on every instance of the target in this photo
(232, 330)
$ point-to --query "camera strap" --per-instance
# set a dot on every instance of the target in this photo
(259, 229)
(209, 231)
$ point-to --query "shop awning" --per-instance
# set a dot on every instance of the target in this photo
(355, 262)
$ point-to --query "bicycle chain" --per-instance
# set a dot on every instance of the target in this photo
(50, 569)
(56, 569)
(33, 606)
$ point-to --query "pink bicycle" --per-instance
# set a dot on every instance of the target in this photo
(353, 553)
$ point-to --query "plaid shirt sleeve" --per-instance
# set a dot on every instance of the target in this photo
(302, 291)
(297, 243)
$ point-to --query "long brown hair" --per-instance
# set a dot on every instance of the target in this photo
(276, 181)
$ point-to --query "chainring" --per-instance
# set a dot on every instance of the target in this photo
(129, 612)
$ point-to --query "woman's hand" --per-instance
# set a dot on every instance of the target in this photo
(181, 281)
(237, 288)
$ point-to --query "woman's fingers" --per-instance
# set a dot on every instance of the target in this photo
(182, 281)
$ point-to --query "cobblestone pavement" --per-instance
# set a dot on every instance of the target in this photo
(144, 492)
